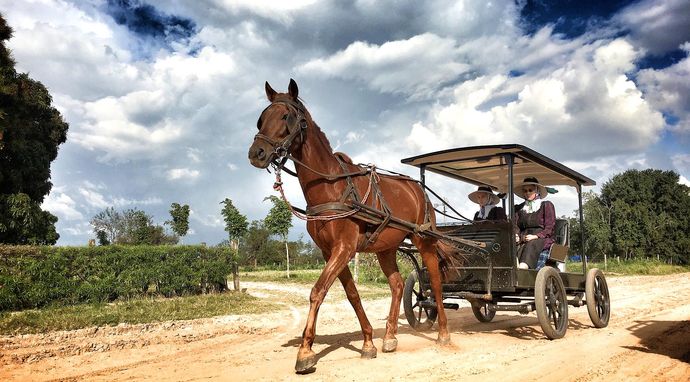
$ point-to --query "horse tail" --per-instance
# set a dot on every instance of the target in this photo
(445, 255)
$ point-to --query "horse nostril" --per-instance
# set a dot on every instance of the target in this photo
(261, 154)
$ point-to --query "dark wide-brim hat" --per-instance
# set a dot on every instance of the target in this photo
(530, 181)
(493, 198)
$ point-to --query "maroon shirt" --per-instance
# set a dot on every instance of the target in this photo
(541, 223)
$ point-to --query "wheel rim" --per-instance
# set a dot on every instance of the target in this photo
(417, 307)
(554, 306)
(601, 297)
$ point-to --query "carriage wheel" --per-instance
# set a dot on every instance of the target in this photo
(597, 295)
(482, 312)
(414, 294)
(551, 303)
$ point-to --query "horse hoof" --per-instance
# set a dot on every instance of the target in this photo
(443, 341)
(305, 364)
(389, 345)
(369, 352)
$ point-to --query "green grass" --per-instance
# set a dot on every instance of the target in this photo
(629, 268)
(133, 312)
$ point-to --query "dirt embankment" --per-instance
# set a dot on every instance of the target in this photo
(648, 339)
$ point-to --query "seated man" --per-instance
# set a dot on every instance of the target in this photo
(487, 201)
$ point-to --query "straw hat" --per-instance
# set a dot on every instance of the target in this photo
(493, 198)
(532, 181)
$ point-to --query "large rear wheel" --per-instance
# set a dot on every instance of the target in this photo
(551, 303)
(415, 295)
(597, 295)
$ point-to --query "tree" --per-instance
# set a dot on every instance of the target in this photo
(180, 219)
(30, 132)
(23, 222)
(279, 222)
(236, 226)
(130, 227)
(109, 222)
(650, 215)
(102, 238)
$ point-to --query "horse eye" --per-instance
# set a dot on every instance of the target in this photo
(285, 116)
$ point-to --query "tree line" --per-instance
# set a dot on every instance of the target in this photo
(262, 242)
(639, 214)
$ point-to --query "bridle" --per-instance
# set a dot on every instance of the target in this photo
(296, 126)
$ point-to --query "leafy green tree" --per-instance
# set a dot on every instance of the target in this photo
(236, 226)
(23, 222)
(31, 130)
(130, 227)
(109, 222)
(180, 219)
(235, 222)
(278, 222)
(102, 237)
(650, 215)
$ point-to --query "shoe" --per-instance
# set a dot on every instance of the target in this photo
(523, 266)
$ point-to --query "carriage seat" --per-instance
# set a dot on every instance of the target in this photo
(557, 254)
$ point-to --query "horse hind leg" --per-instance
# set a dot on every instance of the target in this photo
(387, 260)
(368, 348)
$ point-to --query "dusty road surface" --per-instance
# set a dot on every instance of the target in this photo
(648, 339)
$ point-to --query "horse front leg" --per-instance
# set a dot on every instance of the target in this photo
(430, 259)
(389, 266)
(340, 255)
(368, 348)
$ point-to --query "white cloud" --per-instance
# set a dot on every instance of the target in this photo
(182, 174)
(134, 202)
(393, 67)
(93, 198)
(590, 103)
(658, 26)
(62, 205)
(668, 89)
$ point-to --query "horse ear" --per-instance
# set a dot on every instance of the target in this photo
(270, 93)
(293, 90)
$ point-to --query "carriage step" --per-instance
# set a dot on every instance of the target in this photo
(431, 304)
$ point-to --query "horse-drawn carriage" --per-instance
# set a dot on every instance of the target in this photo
(354, 208)
(490, 279)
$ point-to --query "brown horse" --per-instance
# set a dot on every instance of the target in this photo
(286, 129)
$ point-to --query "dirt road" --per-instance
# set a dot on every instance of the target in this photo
(648, 339)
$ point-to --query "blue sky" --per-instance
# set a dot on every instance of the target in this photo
(162, 97)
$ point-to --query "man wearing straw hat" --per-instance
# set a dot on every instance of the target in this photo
(487, 201)
(535, 222)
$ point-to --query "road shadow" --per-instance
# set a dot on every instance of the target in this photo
(525, 327)
(668, 338)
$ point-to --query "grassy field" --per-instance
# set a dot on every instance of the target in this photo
(372, 285)
(133, 312)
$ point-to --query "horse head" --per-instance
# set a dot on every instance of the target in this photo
(281, 127)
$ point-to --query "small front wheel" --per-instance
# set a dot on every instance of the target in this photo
(483, 313)
(415, 295)
(597, 295)
(551, 303)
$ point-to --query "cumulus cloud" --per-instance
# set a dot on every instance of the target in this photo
(182, 174)
(393, 67)
(590, 103)
(93, 198)
(657, 26)
(668, 89)
(62, 205)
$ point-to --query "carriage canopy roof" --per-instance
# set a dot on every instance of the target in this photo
(488, 165)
